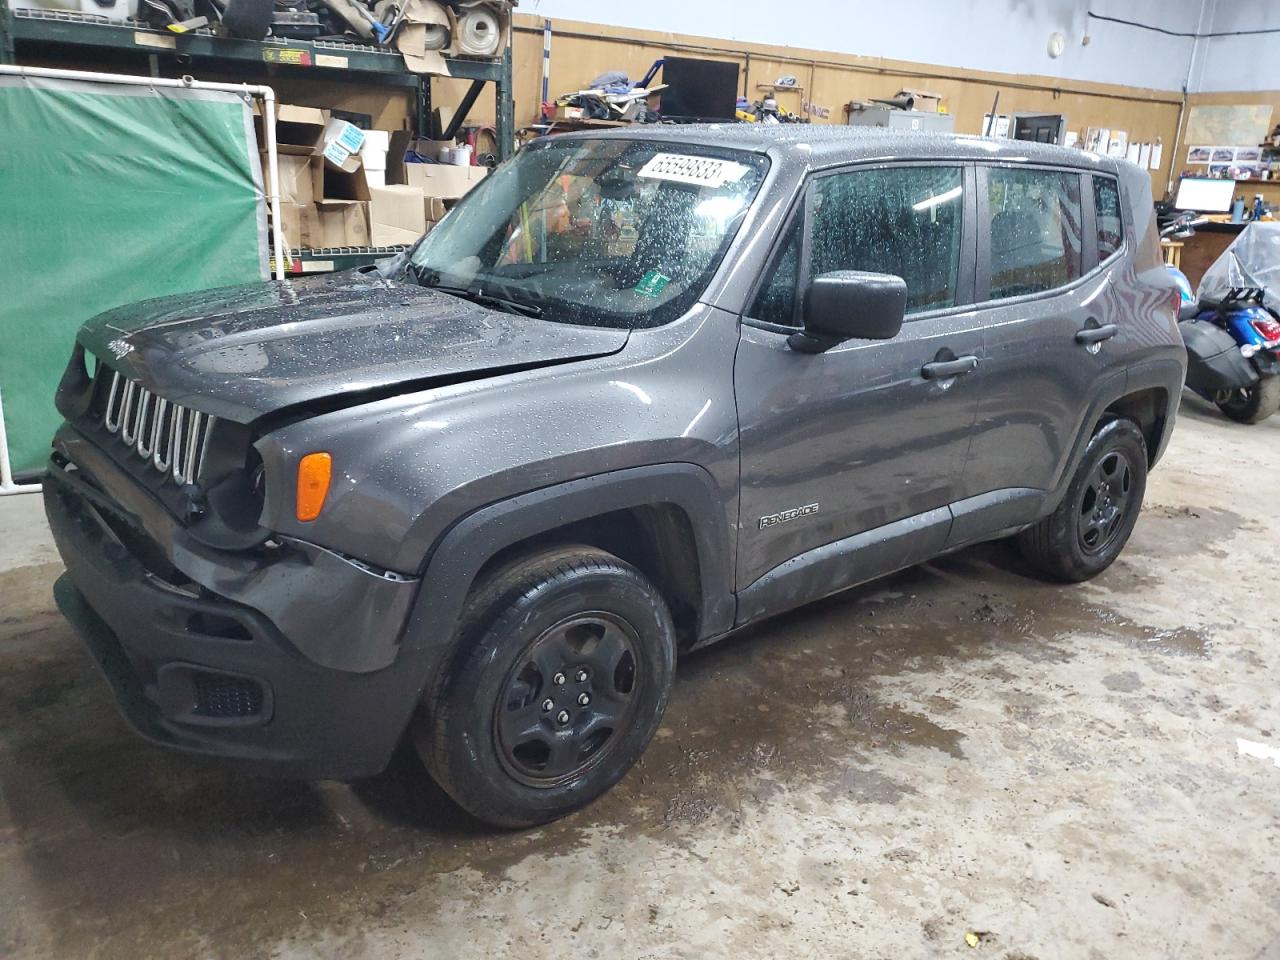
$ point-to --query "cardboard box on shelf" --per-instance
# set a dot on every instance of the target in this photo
(396, 215)
(341, 185)
(297, 177)
(340, 223)
(434, 209)
(298, 129)
(340, 145)
(443, 180)
(291, 221)
(403, 142)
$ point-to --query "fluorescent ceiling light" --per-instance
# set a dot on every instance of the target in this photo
(938, 200)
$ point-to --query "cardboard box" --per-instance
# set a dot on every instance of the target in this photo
(297, 177)
(341, 185)
(340, 145)
(434, 209)
(443, 180)
(298, 129)
(396, 215)
(402, 142)
(301, 224)
(339, 223)
(925, 101)
(291, 219)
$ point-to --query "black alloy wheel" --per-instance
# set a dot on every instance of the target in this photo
(560, 672)
(568, 699)
(1106, 502)
(1097, 513)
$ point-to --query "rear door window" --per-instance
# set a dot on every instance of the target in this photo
(1035, 230)
(1106, 211)
(904, 221)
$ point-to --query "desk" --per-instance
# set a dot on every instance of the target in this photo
(1200, 250)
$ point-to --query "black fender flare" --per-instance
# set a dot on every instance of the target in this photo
(1164, 374)
(460, 553)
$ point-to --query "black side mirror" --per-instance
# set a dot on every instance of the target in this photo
(850, 305)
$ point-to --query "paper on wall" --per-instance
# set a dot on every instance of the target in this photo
(1157, 155)
(1118, 144)
(1133, 152)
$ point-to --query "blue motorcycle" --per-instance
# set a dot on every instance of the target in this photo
(1231, 329)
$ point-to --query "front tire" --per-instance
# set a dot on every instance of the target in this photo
(1091, 525)
(1252, 404)
(559, 680)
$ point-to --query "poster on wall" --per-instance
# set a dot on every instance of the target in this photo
(1118, 145)
(1199, 154)
(1247, 123)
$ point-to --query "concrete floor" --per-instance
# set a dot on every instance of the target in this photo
(959, 750)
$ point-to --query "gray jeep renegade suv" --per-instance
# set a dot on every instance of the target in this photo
(637, 391)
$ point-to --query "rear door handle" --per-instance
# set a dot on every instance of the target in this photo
(942, 369)
(1091, 335)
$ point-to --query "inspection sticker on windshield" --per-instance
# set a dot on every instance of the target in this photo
(698, 171)
(652, 284)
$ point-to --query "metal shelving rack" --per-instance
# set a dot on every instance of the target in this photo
(32, 33)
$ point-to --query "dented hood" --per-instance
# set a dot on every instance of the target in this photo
(243, 352)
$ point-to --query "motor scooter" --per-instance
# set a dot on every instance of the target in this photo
(1230, 328)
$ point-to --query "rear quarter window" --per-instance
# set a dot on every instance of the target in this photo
(1106, 206)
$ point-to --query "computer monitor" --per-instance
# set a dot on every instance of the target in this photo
(1205, 194)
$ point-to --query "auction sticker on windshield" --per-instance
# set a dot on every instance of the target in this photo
(698, 171)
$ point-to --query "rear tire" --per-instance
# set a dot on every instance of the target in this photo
(1253, 404)
(558, 682)
(1091, 525)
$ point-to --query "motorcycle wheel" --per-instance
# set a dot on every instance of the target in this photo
(1252, 404)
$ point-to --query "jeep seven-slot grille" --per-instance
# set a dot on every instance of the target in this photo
(168, 437)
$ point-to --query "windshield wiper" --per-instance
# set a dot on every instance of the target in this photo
(506, 304)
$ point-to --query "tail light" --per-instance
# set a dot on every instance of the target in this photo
(1268, 330)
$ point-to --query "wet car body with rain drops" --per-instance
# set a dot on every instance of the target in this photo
(636, 392)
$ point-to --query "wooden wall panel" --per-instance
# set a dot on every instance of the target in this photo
(581, 52)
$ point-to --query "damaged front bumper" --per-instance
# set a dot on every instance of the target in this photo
(288, 657)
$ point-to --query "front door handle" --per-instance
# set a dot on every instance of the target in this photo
(1091, 335)
(942, 369)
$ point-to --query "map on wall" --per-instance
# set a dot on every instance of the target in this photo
(1237, 125)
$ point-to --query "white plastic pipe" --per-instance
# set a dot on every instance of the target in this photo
(268, 97)
(7, 486)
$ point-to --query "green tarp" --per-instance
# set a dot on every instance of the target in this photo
(111, 194)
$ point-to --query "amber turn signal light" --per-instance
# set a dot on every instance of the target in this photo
(314, 472)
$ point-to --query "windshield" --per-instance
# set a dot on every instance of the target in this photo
(606, 232)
